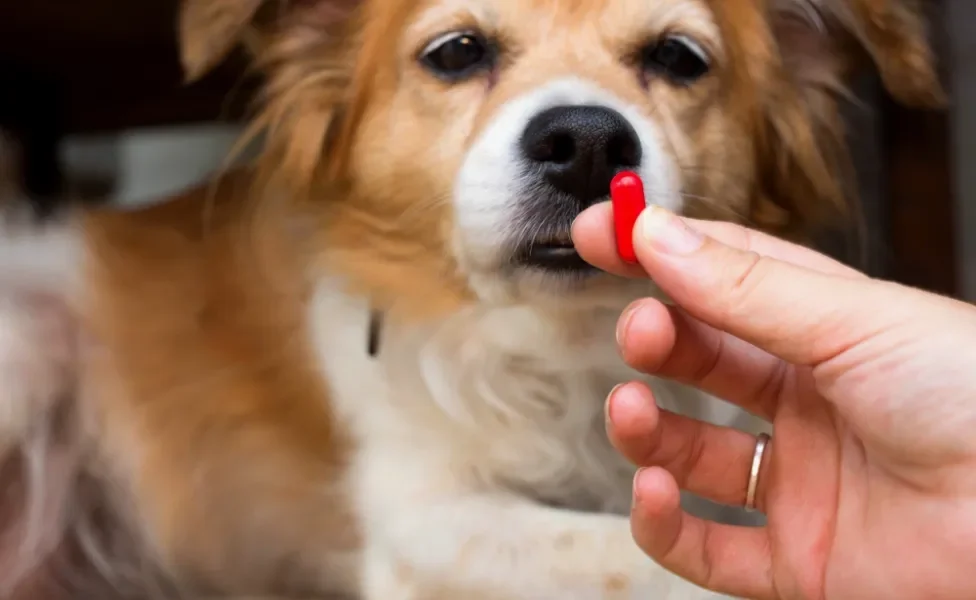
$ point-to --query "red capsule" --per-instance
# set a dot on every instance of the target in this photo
(627, 199)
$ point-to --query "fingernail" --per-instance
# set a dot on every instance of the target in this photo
(606, 405)
(625, 405)
(637, 478)
(623, 323)
(667, 233)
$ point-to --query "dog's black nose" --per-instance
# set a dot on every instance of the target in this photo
(580, 148)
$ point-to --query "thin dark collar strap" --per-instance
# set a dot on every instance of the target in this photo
(374, 332)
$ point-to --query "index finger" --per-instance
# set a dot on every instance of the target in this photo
(593, 236)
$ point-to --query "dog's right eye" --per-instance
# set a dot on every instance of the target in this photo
(455, 56)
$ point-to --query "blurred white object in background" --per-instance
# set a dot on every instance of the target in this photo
(148, 165)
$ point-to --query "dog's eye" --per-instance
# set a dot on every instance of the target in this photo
(678, 58)
(454, 56)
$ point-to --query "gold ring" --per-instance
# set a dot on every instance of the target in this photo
(762, 440)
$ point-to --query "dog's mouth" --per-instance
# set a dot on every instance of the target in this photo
(557, 255)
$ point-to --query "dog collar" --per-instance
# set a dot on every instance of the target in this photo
(374, 332)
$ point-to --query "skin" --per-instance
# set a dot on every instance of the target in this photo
(869, 484)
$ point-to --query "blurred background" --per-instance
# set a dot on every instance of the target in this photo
(92, 93)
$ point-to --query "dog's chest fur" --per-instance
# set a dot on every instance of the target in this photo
(507, 398)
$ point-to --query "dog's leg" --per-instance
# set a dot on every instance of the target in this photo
(492, 548)
(449, 546)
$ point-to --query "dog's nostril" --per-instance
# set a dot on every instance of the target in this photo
(563, 148)
(578, 149)
(558, 147)
(623, 151)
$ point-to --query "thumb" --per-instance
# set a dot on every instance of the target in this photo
(802, 316)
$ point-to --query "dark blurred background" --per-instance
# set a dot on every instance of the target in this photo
(93, 94)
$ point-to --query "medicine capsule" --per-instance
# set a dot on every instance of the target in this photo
(627, 200)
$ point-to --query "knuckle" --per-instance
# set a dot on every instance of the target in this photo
(710, 361)
(741, 283)
(694, 454)
(707, 561)
(749, 239)
(647, 449)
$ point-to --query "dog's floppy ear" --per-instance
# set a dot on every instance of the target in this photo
(210, 29)
(838, 34)
(821, 46)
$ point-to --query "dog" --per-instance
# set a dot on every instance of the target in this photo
(371, 364)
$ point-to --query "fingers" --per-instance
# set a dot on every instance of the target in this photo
(593, 236)
(727, 559)
(796, 313)
(704, 459)
(663, 340)
(594, 239)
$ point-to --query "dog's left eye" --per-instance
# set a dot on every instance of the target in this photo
(677, 58)
(455, 56)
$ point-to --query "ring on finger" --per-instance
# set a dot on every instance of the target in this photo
(762, 441)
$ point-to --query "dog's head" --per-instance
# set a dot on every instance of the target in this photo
(452, 143)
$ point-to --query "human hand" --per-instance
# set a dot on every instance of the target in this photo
(869, 482)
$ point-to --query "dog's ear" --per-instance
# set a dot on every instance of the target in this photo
(820, 46)
(210, 29)
(834, 37)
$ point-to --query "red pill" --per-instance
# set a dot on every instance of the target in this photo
(627, 200)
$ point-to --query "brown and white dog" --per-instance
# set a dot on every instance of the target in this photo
(424, 161)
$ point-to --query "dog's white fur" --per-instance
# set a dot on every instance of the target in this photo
(484, 459)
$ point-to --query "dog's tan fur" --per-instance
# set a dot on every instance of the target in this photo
(208, 416)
